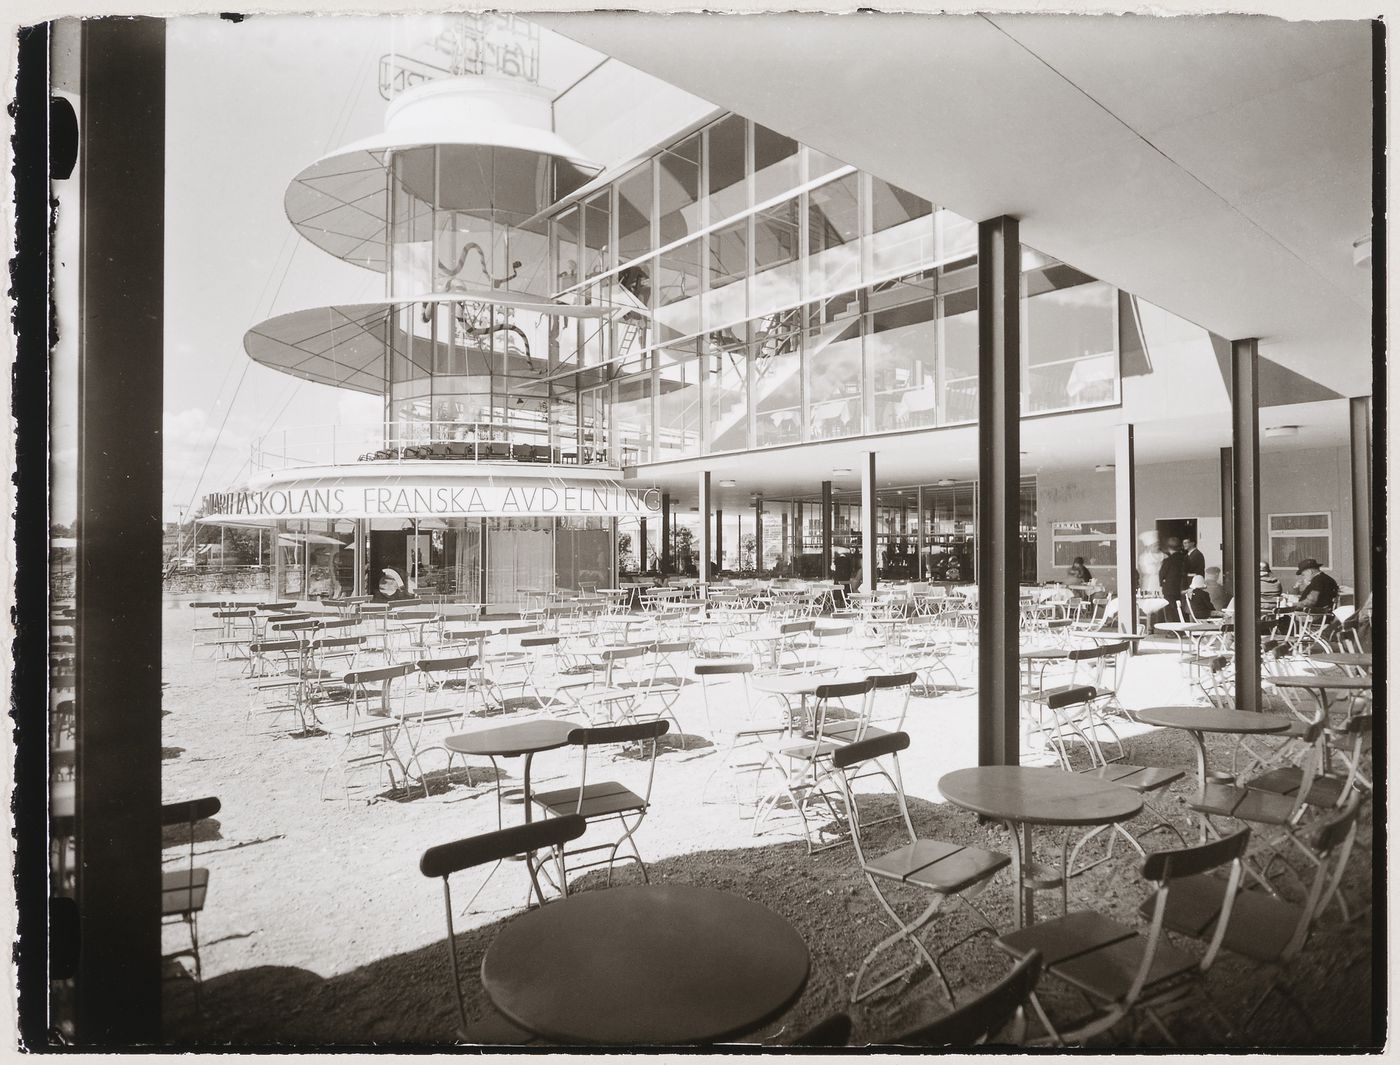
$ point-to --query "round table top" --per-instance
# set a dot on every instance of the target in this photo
(1210, 719)
(644, 965)
(1039, 796)
(507, 741)
(1110, 636)
(1046, 653)
(801, 683)
(1333, 658)
(1189, 626)
(1321, 680)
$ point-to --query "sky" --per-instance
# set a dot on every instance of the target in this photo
(248, 105)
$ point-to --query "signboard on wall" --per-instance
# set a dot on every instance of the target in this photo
(436, 501)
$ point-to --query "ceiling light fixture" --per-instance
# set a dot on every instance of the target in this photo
(842, 472)
(947, 482)
(727, 483)
(1282, 430)
(1103, 467)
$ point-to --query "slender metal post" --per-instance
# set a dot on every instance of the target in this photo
(1125, 519)
(703, 565)
(999, 490)
(758, 536)
(719, 539)
(1361, 559)
(665, 553)
(1244, 376)
(642, 545)
(1227, 513)
(121, 321)
(922, 534)
(867, 521)
(826, 530)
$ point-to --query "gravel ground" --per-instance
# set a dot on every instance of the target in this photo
(319, 929)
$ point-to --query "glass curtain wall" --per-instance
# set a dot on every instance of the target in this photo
(817, 302)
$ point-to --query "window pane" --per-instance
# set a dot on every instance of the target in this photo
(726, 301)
(678, 428)
(777, 380)
(726, 383)
(777, 273)
(728, 188)
(834, 368)
(564, 234)
(819, 163)
(678, 171)
(833, 224)
(775, 162)
(1069, 340)
(902, 231)
(957, 325)
(597, 254)
(631, 420)
(634, 213)
(901, 347)
(678, 291)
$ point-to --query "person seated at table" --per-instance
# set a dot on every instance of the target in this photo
(953, 572)
(1269, 589)
(1079, 572)
(1198, 599)
(1215, 588)
(392, 587)
(1318, 594)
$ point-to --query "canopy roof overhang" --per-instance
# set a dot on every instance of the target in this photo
(345, 345)
(1219, 167)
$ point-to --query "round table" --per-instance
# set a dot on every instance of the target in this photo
(526, 738)
(645, 965)
(1032, 655)
(1195, 721)
(1028, 796)
(1334, 658)
(1319, 684)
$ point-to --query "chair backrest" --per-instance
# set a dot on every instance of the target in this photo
(881, 681)
(636, 733)
(446, 665)
(986, 1015)
(189, 811)
(448, 858)
(842, 690)
(716, 669)
(1163, 867)
(1069, 697)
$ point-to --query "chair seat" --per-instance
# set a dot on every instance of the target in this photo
(808, 749)
(1260, 926)
(1246, 804)
(1096, 955)
(183, 892)
(1140, 778)
(846, 731)
(944, 867)
(1325, 791)
(599, 800)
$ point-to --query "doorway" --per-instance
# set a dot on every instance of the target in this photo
(1181, 528)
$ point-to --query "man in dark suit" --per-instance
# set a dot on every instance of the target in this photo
(1174, 578)
(1195, 561)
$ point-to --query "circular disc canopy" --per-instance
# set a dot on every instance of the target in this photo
(341, 203)
(345, 345)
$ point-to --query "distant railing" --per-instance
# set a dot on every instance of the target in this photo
(337, 445)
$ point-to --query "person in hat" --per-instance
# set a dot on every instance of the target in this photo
(391, 587)
(1320, 591)
(1198, 598)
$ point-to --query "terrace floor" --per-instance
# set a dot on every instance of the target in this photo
(319, 928)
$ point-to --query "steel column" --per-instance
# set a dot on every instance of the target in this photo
(719, 540)
(758, 536)
(826, 530)
(867, 521)
(702, 568)
(923, 537)
(1227, 513)
(1361, 497)
(1125, 517)
(665, 553)
(998, 490)
(121, 319)
(1244, 377)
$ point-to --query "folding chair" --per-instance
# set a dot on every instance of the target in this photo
(448, 858)
(895, 708)
(369, 719)
(1116, 968)
(985, 1016)
(182, 892)
(1265, 929)
(944, 870)
(806, 780)
(750, 733)
(607, 800)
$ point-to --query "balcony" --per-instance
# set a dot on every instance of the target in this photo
(456, 441)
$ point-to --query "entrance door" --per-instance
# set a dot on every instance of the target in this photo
(1178, 527)
(388, 549)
